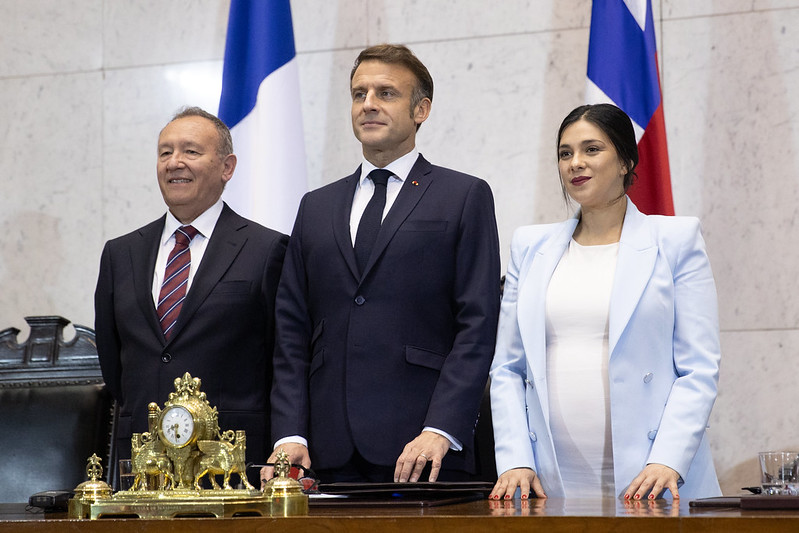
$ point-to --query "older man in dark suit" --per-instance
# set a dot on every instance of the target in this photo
(193, 292)
(388, 301)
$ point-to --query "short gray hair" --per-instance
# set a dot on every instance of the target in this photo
(225, 147)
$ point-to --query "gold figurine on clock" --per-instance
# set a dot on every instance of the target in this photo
(184, 446)
(176, 431)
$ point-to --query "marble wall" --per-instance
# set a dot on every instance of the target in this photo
(85, 86)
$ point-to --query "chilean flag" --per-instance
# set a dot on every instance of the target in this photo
(623, 70)
(260, 103)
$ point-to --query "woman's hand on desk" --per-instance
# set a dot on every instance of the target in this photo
(524, 478)
(653, 480)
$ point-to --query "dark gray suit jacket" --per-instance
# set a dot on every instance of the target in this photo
(224, 334)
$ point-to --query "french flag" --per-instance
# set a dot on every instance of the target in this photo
(623, 70)
(260, 103)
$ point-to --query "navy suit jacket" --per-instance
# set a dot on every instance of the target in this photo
(367, 361)
(224, 334)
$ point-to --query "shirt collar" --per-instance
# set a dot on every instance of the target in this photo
(400, 167)
(204, 223)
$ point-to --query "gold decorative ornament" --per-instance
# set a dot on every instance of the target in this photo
(286, 493)
(91, 491)
(184, 447)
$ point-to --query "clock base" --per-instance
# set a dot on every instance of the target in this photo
(194, 503)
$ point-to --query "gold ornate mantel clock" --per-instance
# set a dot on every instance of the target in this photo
(184, 445)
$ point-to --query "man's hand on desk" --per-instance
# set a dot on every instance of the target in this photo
(428, 446)
(298, 455)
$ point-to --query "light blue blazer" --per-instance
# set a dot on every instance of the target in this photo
(663, 345)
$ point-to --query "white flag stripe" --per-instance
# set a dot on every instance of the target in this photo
(595, 95)
(638, 10)
(270, 176)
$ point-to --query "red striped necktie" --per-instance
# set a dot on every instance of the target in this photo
(176, 278)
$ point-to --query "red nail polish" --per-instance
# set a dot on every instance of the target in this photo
(507, 496)
(524, 496)
(651, 496)
(637, 496)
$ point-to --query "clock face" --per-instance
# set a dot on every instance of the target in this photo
(177, 426)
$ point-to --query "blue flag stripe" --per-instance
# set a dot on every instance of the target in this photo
(260, 40)
(621, 59)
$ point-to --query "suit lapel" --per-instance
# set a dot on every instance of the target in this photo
(143, 253)
(413, 189)
(532, 305)
(342, 207)
(635, 264)
(225, 244)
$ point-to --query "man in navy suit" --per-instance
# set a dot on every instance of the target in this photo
(223, 331)
(383, 355)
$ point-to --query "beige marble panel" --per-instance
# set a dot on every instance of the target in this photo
(732, 129)
(138, 103)
(756, 407)
(497, 106)
(775, 4)
(680, 9)
(331, 149)
(50, 209)
(330, 25)
(50, 36)
(150, 32)
(496, 110)
(441, 20)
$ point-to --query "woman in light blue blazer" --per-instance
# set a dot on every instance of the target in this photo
(607, 357)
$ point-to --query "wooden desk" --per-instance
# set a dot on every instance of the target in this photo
(549, 516)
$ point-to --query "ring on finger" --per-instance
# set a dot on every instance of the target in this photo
(425, 457)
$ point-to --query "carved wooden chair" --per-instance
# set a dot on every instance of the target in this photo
(55, 411)
(484, 441)
(484, 431)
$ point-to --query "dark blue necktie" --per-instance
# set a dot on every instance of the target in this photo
(372, 217)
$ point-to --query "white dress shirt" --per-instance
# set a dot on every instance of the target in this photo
(204, 224)
(399, 168)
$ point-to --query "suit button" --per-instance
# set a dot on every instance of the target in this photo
(533, 437)
(652, 434)
(648, 377)
(360, 300)
(166, 357)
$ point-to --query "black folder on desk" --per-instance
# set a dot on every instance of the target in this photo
(402, 494)
(754, 502)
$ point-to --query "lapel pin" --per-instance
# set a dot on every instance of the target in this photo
(415, 183)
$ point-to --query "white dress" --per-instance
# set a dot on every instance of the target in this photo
(577, 308)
